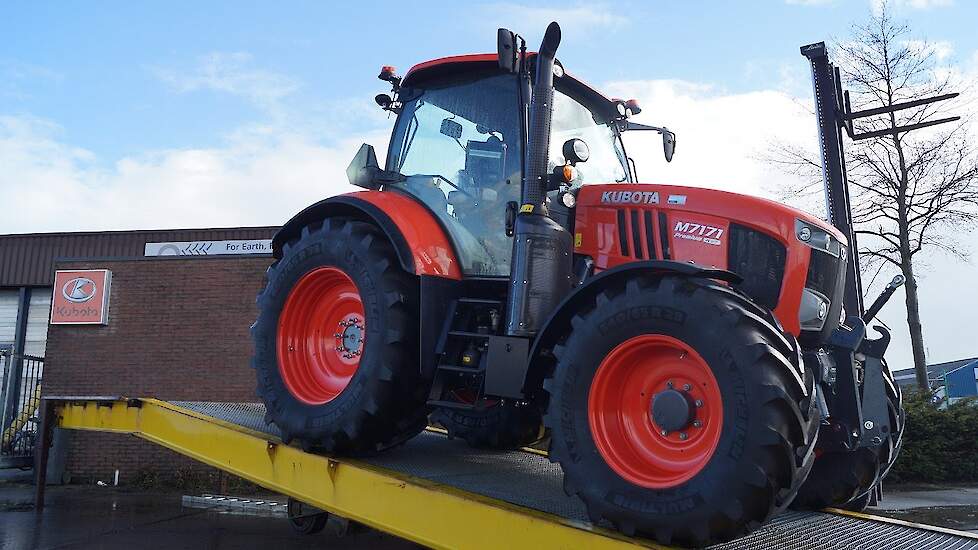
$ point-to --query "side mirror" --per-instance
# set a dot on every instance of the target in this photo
(363, 170)
(507, 47)
(668, 144)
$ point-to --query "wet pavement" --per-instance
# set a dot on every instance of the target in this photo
(951, 507)
(103, 517)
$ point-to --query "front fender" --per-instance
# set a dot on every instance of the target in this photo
(421, 244)
(559, 322)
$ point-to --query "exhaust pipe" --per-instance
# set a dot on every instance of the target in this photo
(540, 271)
(541, 114)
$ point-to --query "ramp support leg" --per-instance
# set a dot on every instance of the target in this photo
(41, 448)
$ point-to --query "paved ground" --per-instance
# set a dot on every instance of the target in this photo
(78, 517)
(103, 517)
(952, 507)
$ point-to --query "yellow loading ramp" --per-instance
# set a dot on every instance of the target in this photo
(433, 491)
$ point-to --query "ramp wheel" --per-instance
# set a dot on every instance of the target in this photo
(493, 425)
(679, 411)
(304, 519)
(336, 342)
(841, 479)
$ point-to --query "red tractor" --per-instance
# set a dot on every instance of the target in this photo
(685, 349)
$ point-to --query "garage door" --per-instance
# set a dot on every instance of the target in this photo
(37, 322)
(8, 316)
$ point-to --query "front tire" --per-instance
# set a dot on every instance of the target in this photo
(336, 342)
(841, 479)
(732, 437)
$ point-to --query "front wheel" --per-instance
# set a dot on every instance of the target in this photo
(336, 342)
(679, 411)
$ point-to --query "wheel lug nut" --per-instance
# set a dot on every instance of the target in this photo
(669, 384)
(687, 387)
(683, 436)
(698, 402)
(663, 432)
(697, 424)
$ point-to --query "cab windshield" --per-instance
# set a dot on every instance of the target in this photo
(571, 119)
(458, 143)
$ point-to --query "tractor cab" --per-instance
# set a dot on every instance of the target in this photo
(458, 146)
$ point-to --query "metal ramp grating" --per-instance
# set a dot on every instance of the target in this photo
(531, 481)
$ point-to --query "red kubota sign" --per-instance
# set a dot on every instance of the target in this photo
(81, 297)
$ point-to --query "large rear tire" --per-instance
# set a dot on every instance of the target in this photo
(841, 479)
(679, 411)
(336, 342)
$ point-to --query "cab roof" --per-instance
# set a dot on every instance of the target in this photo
(569, 84)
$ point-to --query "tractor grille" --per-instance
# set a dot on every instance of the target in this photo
(826, 275)
(759, 259)
(635, 234)
(823, 273)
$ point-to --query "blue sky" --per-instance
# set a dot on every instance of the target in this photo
(208, 114)
(100, 73)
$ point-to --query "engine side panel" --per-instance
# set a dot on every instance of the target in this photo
(621, 223)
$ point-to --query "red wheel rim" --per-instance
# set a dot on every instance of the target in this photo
(321, 333)
(621, 399)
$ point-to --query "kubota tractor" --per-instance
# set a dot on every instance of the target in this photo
(687, 350)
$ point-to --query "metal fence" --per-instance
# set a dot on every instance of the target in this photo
(20, 398)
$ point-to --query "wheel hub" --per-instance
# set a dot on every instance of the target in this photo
(349, 337)
(672, 410)
(321, 335)
(655, 411)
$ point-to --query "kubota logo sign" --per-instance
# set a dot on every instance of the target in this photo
(630, 197)
(81, 297)
(79, 289)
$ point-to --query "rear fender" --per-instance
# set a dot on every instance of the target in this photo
(559, 322)
(421, 244)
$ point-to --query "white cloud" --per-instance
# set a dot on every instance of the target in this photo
(877, 5)
(941, 49)
(720, 135)
(230, 73)
(260, 177)
(579, 19)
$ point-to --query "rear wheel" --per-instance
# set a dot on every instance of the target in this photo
(678, 411)
(841, 479)
(336, 342)
(492, 424)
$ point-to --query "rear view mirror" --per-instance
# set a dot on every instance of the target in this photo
(451, 128)
(507, 47)
(363, 170)
(668, 144)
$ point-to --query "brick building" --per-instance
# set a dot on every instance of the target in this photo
(178, 310)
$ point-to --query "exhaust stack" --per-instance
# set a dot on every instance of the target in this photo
(540, 271)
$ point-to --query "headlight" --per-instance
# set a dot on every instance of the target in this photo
(818, 238)
(813, 311)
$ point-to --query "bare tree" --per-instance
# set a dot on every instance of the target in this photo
(911, 190)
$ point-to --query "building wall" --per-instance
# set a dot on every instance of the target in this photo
(178, 330)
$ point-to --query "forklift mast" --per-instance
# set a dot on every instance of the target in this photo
(829, 111)
(834, 114)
